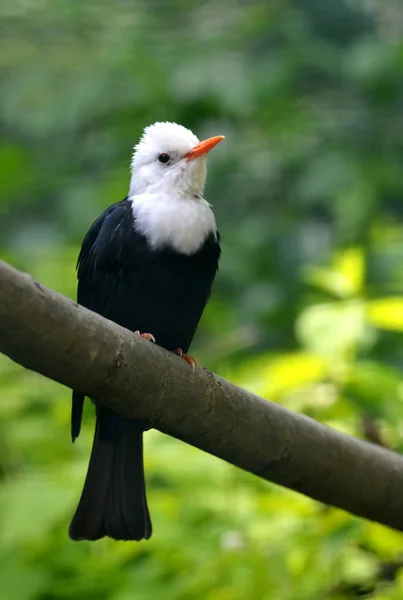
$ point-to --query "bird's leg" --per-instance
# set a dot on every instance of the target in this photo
(189, 359)
(146, 336)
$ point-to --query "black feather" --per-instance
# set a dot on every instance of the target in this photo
(155, 291)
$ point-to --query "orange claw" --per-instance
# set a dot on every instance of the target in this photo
(146, 336)
(189, 359)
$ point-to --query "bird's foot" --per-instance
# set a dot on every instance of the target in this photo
(146, 336)
(189, 359)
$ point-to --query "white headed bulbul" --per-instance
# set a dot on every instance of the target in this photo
(147, 263)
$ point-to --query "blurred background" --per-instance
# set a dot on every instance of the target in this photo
(308, 307)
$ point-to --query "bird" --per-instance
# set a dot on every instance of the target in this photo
(148, 263)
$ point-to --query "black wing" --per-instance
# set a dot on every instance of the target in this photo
(100, 259)
(99, 264)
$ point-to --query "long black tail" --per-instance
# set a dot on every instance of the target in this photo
(113, 501)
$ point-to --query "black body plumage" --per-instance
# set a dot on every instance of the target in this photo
(158, 291)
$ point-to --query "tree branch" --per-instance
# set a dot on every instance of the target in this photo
(48, 333)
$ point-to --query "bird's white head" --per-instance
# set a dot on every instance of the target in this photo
(171, 159)
(168, 177)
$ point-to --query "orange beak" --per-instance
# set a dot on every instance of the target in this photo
(203, 147)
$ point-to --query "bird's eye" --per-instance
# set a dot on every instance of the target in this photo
(164, 158)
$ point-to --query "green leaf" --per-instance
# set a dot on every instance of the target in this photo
(333, 330)
(386, 313)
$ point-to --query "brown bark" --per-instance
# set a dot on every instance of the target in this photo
(48, 333)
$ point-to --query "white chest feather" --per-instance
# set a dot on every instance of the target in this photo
(181, 223)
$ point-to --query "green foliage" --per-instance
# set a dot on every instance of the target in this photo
(307, 309)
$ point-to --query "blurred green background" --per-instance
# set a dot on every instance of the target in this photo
(307, 309)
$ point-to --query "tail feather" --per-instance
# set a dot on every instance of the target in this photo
(114, 513)
(128, 492)
(113, 502)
